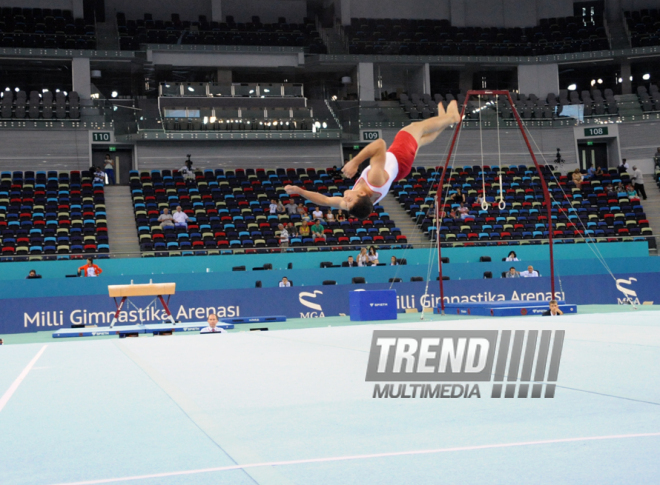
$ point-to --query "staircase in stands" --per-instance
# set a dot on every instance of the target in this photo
(121, 223)
(404, 222)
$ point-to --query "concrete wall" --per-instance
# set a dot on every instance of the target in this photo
(539, 79)
(475, 13)
(160, 9)
(44, 150)
(239, 154)
(267, 10)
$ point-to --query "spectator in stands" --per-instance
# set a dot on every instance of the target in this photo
(317, 214)
(341, 217)
(624, 167)
(350, 263)
(363, 257)
(631, 193)
(32, 275)
(393, 261)
(480, 201)
(291, 229)
(530, 273)
(285, 283)
(463, 211)
(620, 188)
(372, 256)
(212, 320)
(284, 236)
(180, 218)
(109, 167)
(458, 197)
(577, 178)
(280, 207)
(512, 256)
(512, 273)
(304, 230)
(166, 218)
(554, 310)
(272, 208)
(291, 208)
(304, 213)
(317, 230)
(454, 215)
(610, 190)
(329, 216)
(90, 269)
(99, 176)
(638, 180)
(599, 172)
(591, 172)
(430, 213)
(187, 171)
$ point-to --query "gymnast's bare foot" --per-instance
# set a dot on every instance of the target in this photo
(452, 112)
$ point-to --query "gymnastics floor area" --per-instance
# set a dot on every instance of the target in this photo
(292, 407)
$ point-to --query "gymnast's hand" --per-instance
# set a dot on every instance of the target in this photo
(350, 169)
(292, 189)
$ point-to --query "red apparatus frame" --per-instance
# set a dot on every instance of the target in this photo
(546, 194)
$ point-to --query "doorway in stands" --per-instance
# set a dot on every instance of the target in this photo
(592, 153)
(121, 155)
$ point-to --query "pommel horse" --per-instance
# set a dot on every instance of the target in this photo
(150, 289)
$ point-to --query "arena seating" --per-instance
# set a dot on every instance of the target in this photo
(228, 211)
(643, 27)
(132, 33)
(44, 27)
(549, 106)
(53, 214)
(439, 37)
(587, 212)
(39, 105)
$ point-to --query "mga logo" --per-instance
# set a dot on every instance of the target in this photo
(630, 294)
(318, 310)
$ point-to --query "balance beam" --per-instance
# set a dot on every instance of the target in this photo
(149, 289)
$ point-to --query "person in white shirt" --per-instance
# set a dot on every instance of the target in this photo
(393, 261)
(166, 219)
(284, 236)
(530, 273)
(363, 257)
(317, 214)
(463, 211)
(638, 180)
(272, 208)
(512, 256)
(372, 255)
(180, 218)
(213, 328)
(285, 283)
(329, 215)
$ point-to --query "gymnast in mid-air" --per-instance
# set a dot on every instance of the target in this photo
(386, 166)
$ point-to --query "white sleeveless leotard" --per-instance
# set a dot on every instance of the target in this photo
(392, 169)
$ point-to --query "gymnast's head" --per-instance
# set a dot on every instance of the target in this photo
(358, 203)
